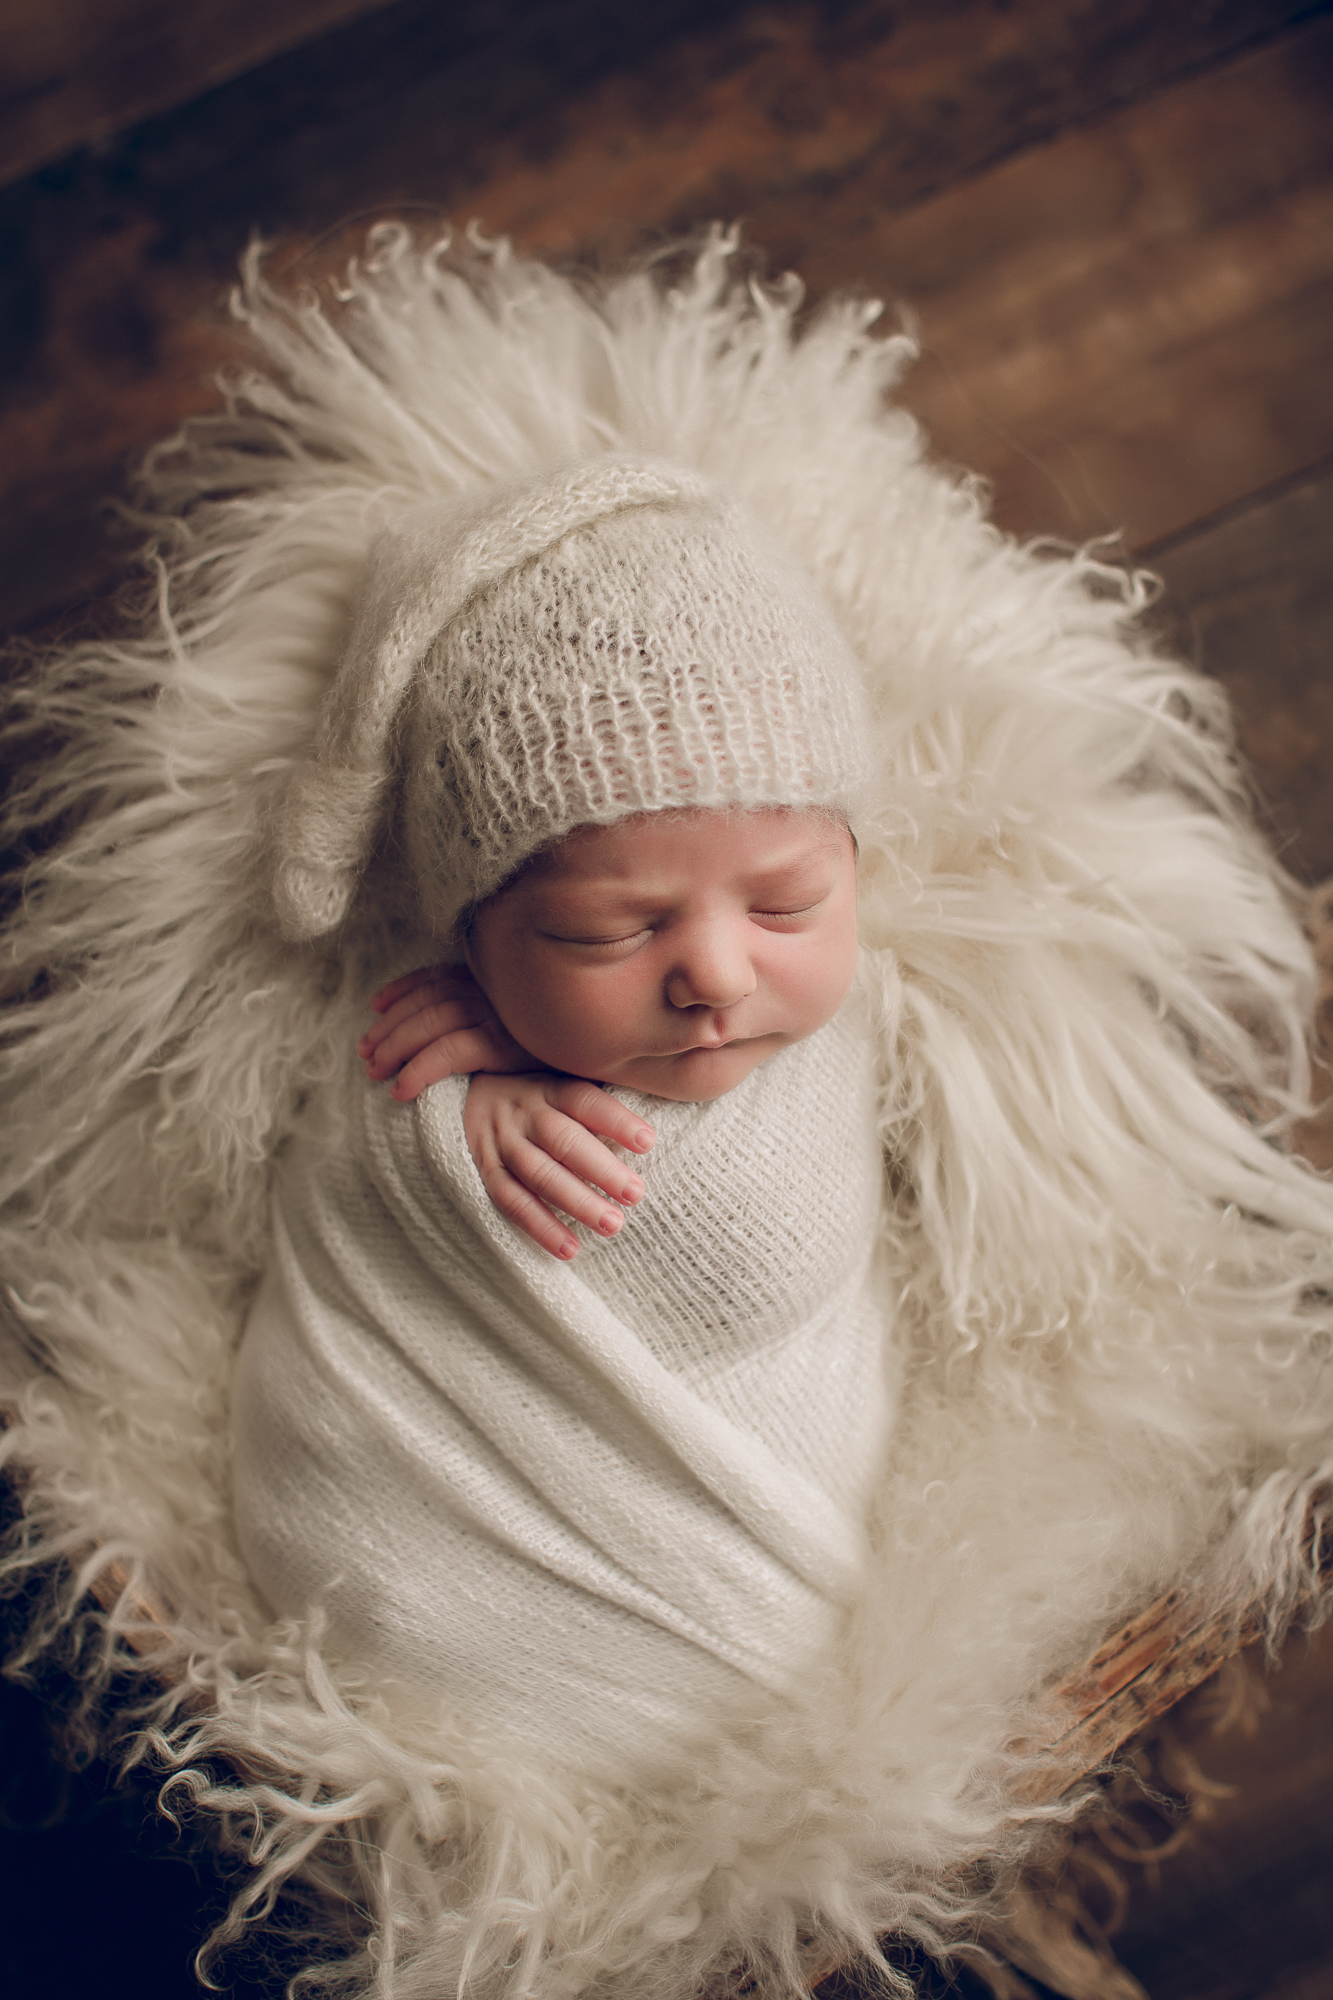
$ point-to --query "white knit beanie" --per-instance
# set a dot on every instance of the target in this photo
(613, 638)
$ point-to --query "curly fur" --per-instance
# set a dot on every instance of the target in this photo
(1092, 996)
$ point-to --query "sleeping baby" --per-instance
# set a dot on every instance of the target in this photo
(581, 1484)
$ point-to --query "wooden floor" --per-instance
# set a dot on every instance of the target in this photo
(1111, 222)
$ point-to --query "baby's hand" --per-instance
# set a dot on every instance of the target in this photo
(435, 1022)
(531, 1137)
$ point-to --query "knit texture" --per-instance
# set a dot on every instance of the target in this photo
(578, 1506)
(616, 637)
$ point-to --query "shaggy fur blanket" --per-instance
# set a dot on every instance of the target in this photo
(1089, 995)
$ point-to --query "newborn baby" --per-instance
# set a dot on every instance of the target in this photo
(588, 1503)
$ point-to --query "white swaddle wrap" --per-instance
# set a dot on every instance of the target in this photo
(578, 1504)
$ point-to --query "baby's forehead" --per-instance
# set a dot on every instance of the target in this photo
(695, 840)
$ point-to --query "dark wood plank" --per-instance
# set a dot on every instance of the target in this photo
(817, 122)
(1250, 597)
(578, 127)
(74, 71)
(1129, 328)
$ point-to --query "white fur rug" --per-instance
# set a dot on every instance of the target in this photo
(1091, 996)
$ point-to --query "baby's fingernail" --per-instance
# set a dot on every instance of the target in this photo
(632, 1191)
(608, 1222)
(644, 1139)
(568, 1250)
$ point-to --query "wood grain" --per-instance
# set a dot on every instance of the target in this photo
(1249, 597)
(72, 72)
(583, 130)
(1129, 328)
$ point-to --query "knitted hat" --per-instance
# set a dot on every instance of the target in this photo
(616, 637)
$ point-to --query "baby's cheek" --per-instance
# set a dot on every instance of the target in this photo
(579, 1026)
(826, 979)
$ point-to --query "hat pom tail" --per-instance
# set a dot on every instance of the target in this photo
(322, 832)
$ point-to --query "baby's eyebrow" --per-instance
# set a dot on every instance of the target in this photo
(614, 893)
(576, 899)
(801, 869)
(587, 903)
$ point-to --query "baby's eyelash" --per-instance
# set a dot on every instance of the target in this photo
(592, 944)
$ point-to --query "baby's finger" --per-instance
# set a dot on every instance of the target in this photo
(599, 1112)
(423, 975)
(410, 1008)
(460, 1053)
(393, 1042)
(572, 1147)
(396, 989)
(526, 1212)
(425, 993)
(554, 1186)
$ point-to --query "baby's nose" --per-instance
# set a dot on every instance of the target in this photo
(713, 970)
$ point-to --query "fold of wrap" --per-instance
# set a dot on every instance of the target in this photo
(580, 1504)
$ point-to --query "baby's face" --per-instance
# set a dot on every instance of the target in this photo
(674, 951)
